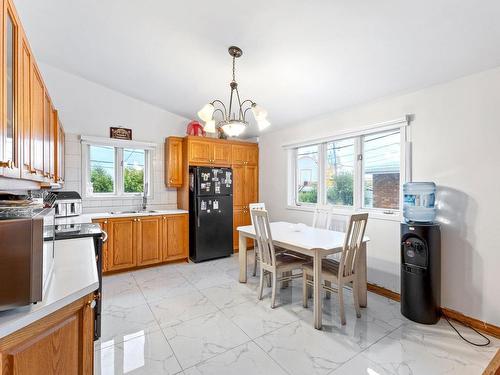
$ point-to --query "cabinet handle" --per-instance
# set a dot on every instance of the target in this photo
(138, 219)
(135, 219)
(105, 222)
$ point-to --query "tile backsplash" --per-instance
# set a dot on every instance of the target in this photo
(162, 197)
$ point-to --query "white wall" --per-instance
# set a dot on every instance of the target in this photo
(87, 108)
(455, 136)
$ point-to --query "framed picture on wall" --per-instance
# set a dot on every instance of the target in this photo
(120, 133)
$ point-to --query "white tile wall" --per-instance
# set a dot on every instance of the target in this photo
(162, 197)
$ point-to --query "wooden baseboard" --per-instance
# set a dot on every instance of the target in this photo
(485, 327)
(494, 366)
(490, 329)
(383, 292)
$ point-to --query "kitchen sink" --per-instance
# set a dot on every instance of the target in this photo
(133, 212)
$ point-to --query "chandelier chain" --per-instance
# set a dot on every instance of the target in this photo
(234, 69)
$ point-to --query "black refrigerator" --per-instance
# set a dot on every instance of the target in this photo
(210, 213)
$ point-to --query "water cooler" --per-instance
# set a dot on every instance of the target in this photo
(420, 255)
(421, 272)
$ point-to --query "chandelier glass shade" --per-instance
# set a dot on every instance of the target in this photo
(232, 120)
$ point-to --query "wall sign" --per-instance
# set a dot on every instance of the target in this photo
(120, 133)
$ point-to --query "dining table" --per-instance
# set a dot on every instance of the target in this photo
(316, 243)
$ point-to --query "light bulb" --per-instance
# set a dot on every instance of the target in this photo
(263, 123)
(258, 112)
(206, 112)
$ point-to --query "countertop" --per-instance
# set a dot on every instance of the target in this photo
(87, 218)
(74, 276)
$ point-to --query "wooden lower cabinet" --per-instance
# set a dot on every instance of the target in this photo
(61, 343)
(146, 240)
(175, 237)
(241, 217)
(121, 243)
(148, 232)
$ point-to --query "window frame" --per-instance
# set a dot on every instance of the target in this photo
(119, 188)
(358, 183)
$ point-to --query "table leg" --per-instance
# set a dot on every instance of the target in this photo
(317, 290)
(243, 258)
(362, 279)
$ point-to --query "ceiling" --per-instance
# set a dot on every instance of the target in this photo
(300, 58)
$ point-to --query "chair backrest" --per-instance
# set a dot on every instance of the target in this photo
(256, 206)
(263, 237)
(322, 216)
(352, 244)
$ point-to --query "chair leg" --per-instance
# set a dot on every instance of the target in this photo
(341, 304)
(261, 283)
(273, 293)
(328, 294)
(309, 288)
(268, 278)
(356, 298)
(254, 261)
(304, 290)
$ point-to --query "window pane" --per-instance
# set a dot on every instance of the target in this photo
(102, 169)
(381, 161)
(307, 174)
(340, 172)
(133, 170)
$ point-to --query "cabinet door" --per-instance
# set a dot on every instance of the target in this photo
(173, 162)
(240, 154)
(199, 151)
(241, 217)
(175, 237)
(252, 155)
(52, 144)
(61, 138)
(251, 184)
(238, 185)
(37, 120)
(47, 114)
(122, 247)
(103, 223)
(24, 105)
(148, 230)
(60, 343)
(9, 129)
(221, 153)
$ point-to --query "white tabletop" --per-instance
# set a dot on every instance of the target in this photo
(306, 238)
(74, 276)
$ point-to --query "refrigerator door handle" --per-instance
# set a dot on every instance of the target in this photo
(196, 213)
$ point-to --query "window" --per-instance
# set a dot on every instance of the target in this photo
(116, 171)
(365, 171)
(102, 169)
(307, 174)
(381, 166)
(339, 173)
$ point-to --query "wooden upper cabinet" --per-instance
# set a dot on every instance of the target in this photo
(24, 104)
(60, 150)
(10, 156)
(175, 237)
(121, 246)
(37, 121)
(47, 123)
(245, 155)
(174, 166)
(199, 151)
(221, 153)
(148, 240)
(238, 185)
(205, 151)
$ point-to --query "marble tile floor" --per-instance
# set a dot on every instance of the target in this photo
(198, 319)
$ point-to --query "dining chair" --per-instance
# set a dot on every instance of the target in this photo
(322, 216)
(279, 265)
(256, 258)
(344, 272)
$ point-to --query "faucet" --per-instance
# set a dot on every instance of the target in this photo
(145, 197)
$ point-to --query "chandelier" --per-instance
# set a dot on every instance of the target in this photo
(233, 120)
